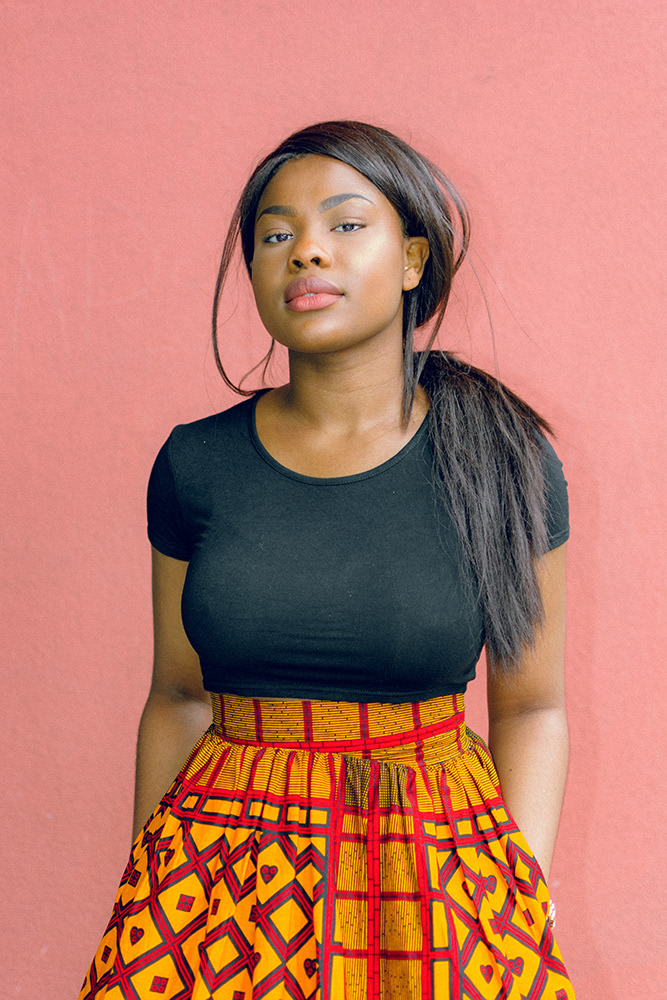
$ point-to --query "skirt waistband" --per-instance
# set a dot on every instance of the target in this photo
(429, 731)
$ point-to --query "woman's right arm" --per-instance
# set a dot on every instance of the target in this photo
(178, 709)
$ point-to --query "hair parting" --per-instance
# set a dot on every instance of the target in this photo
(487, 453)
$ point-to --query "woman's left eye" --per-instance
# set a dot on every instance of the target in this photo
(348, 227)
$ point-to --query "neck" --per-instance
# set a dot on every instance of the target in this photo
(345, 393)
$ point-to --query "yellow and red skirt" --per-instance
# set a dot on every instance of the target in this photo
(334, 851)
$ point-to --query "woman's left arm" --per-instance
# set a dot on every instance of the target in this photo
(528, 735)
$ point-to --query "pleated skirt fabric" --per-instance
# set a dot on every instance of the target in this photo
(333, 851)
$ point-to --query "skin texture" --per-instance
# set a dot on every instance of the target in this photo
(178, 709)
(340, 414)
(528, 734)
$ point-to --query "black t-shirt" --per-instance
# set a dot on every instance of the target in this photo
(349, 588)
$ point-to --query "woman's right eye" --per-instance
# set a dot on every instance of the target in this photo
(276, 238)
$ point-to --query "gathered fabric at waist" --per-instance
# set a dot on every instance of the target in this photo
(348, 850)
(427, 732)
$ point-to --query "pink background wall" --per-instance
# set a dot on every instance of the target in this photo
(129, 130)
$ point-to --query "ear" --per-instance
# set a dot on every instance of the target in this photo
(415, 254)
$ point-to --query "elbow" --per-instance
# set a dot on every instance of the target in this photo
(532, 728)
(553, 708)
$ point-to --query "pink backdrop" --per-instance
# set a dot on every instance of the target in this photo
(130, 128)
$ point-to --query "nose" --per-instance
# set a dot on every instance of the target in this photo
(308, 251)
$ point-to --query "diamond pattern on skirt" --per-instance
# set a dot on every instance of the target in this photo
(392, 870)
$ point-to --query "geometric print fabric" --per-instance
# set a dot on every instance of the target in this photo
(331, 851)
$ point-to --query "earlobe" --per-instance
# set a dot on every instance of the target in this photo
(416, 254)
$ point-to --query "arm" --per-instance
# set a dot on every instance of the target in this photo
(178, 709)
(528, 734)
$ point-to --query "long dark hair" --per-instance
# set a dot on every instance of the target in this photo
(487, 456)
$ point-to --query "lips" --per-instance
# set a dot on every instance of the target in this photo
(309, 286)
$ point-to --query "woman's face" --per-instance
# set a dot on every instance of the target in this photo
(330, 260)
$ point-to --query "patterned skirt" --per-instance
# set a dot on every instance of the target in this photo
(333, 851)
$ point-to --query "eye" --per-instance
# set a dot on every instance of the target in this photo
(348, 227)
(277, 238)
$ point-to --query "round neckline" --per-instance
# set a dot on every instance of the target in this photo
(330, 480)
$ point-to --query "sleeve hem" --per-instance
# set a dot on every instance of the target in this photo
(558, 539)
(168, 550)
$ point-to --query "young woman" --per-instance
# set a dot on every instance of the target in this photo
(330, 557)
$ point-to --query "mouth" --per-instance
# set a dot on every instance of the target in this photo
(305, 294)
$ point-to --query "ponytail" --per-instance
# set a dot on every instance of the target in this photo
(488, 469)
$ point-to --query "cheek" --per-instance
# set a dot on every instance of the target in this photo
(265, 300)
(259, 279)
(261, 300)
(384, 258)
(383, 267)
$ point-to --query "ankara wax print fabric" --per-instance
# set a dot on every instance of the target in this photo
(324, 850)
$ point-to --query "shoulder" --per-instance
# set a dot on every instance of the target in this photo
(206, 429)
(553, 467)
(549, 452)
(199, 462)
(196, 453)
(556, 496)
(216, 436)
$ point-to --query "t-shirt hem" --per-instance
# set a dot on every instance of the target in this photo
(338, 694)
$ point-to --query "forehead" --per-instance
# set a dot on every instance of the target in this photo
(314, 178)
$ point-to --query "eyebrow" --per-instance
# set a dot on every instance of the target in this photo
(324, 206)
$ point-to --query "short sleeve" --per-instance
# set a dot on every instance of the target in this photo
(558, 512)
(167, 527)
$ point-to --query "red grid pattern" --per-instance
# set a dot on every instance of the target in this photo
(286, 869)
